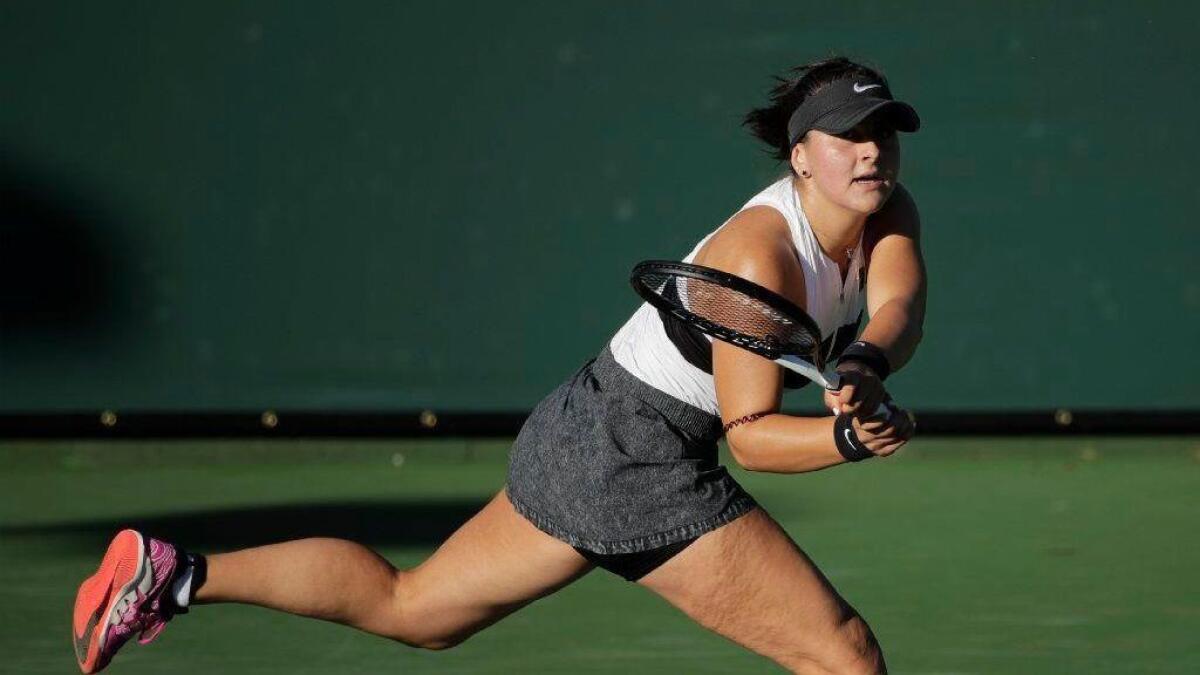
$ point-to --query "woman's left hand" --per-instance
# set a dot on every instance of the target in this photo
(861, 394)
(886, 434)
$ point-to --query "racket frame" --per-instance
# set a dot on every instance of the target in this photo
(810, 368)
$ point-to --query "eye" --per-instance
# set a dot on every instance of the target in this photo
(855, 135)
(870, 129)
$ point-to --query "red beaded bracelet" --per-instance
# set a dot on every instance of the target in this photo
(745, 419)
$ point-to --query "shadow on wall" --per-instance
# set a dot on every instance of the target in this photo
(369, 523)
(67, 280)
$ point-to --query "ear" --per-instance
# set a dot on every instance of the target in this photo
(799, 160)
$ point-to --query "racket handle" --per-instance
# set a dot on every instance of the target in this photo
(884, 411)
(833, 381)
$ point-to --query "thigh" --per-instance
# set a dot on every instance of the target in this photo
(749, 582)
(496, 563)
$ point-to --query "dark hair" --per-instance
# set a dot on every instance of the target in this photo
(769, 124)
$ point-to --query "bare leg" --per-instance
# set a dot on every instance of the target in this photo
(749, 582)
(496, 563)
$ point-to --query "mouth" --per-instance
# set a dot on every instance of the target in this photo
(871, 180)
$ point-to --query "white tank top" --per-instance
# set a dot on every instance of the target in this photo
(642, 347)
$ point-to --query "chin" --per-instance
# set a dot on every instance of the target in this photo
(870, 203)
(867, 206)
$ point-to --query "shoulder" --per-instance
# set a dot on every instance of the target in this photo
(898, 216)
(756, 244)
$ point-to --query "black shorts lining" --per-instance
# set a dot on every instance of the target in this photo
(634, 566)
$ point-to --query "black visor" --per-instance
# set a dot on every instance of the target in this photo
(840, 105)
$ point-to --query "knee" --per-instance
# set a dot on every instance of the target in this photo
(416, 621)
(434, 643)
(854, 651)
(424, 632)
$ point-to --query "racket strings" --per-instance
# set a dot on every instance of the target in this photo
(729, 308)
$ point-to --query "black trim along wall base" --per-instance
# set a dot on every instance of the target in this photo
(428, 423)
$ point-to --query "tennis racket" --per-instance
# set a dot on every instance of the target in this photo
(740, 312)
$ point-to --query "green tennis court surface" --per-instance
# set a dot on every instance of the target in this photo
(966, 555)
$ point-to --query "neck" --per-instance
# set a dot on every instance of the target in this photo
(838, 229)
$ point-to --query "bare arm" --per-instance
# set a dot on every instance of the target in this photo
(756, 245)
(895, 280)
(895, 301)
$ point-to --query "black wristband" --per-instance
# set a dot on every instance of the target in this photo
(847, 440)
(869, 355)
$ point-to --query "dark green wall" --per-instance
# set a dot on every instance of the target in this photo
(346, 206)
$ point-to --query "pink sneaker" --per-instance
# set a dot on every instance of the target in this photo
(125, 596)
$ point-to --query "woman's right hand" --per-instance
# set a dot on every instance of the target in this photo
(861, 390)
(886, 434)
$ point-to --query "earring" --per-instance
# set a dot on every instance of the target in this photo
(805, 173)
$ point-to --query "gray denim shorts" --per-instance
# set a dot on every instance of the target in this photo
(610, 464)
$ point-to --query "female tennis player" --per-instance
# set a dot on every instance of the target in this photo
(618, 467)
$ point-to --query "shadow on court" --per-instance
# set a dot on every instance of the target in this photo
(370, 523)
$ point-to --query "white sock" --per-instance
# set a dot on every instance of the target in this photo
(182, 589)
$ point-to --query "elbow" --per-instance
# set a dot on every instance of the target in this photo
(910, 338)
(915, 315)
(740, 450)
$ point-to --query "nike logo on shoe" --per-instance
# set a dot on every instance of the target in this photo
(858, 89)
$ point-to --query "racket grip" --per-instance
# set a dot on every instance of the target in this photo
(884, 411)
(833, 381)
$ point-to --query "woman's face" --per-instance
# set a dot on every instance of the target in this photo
(856, 170)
